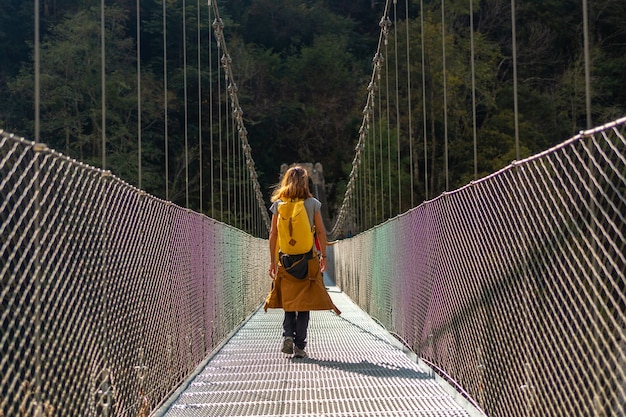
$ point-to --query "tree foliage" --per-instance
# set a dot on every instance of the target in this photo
(302, 68)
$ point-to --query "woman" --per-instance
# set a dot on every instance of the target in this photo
(297, 295)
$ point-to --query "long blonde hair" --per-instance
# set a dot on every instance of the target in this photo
(295, 184)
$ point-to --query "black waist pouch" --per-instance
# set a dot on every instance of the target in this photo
(296, 265)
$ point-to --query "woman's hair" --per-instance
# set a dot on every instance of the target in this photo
(295, 184)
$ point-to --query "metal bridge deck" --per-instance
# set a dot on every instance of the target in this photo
(354, 368)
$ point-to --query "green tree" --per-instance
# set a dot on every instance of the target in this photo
(71, 116)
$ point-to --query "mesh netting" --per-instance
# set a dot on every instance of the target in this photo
(110, 297)
(514, 286)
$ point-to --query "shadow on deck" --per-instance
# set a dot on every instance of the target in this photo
(354, 368)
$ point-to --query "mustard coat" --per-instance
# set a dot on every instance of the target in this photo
(293, 294)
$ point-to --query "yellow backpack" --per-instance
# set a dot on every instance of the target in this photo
(295, 232)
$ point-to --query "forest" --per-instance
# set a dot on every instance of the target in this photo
(302, 68)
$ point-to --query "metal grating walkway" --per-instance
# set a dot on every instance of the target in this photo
(354, 368)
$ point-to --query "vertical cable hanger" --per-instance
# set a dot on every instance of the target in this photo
(372, 149)
(233, 155)
(185, 104)
(378, 66)
(380, 141)
(200, 174)
(515, 104)
(408, 89)
(587, 63)
(397, 75)
(445, 92)
(37, 57)
(386, 28)
(140, 367)
(225, 59)
(200, 159)
(212, 187)
(242, 209)
(385, 24)
(38, 290)
(236, 201)
(363, 200)
(165, 127)
(103, 84)
(248, 209)
(218, 27)
(103, 244)
(368, 159)
(364, 208)
(424, 101)
(358, 208)
(473, 67)
(138, 94)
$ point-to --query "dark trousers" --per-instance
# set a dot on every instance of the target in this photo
(296, 324)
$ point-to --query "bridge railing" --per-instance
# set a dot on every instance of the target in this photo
(513, 287)
(109, 297)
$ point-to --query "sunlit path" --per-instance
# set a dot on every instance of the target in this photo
(354, 368)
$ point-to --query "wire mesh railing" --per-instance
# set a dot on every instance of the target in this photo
(513, 286)
(110, 297)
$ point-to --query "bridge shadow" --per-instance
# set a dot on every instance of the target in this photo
(354, 369)
(364, 367)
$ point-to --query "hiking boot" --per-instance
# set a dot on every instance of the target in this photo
(287, 345)
(299, 353)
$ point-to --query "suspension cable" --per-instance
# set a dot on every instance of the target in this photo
(372, 92)
(397, 76)
(103, 84)
(424, 102)
(37, 57)
(515, 104)
(241, 189)
(165, 105)
(380, 140)
(138, 95)
(236, 183)
(218, 26)
(233, 175)
(211, 116)
(244, 192)
(227, 139)
(370, 219)
(387, 24)
(587, 63)
(38, 291)
(379, 68)
(200, 174)
(408, 89)
(359, 208)
(185, 104)
(445, 93)
(473, 68)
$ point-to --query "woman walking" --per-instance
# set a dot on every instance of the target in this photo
(295, 265)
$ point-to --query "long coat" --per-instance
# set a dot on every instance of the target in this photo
(293, 294)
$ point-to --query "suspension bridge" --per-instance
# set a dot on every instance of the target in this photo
(505, 297)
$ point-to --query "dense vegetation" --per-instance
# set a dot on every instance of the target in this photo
(302, 68)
